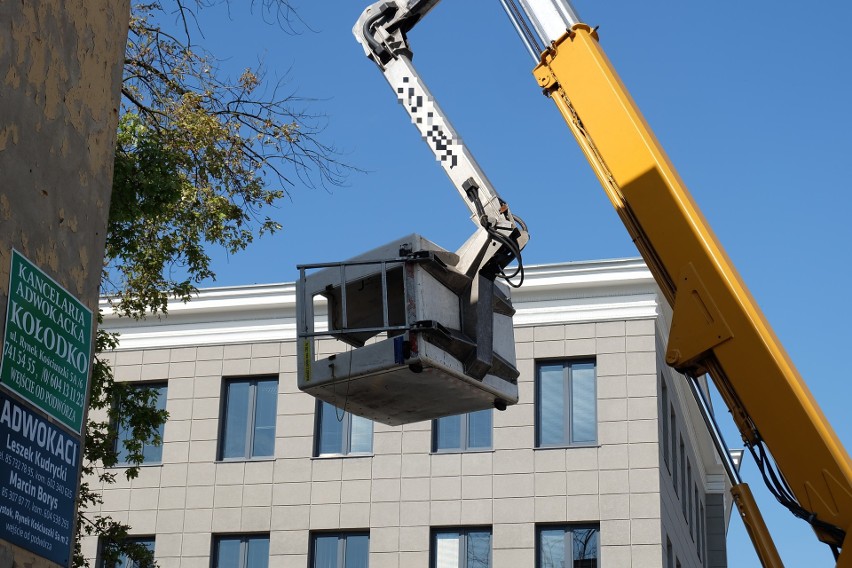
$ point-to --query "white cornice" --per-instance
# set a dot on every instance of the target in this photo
(552, 293)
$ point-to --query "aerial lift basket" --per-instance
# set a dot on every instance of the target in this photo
(398, 335)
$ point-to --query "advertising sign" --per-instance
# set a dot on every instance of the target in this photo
(38, 482)
(47, 346)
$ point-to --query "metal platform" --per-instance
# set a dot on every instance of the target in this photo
(398, 335)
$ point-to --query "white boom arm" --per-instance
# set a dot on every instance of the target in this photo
(381, 32)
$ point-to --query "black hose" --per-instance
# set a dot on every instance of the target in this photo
(776, 485)
(367, 31)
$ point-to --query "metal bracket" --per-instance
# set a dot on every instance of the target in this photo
(479, 363)
(697, 324)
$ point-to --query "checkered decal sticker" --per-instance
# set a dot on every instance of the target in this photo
(421, 108)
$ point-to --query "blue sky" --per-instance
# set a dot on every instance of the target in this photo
(750, 100)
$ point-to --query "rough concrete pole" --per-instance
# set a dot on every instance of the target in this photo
(60, 80)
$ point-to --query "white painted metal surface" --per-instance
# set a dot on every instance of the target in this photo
(402, 342)
(599, 290)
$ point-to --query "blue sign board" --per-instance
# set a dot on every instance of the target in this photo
(38, 482)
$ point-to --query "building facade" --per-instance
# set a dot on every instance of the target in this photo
(604, 462)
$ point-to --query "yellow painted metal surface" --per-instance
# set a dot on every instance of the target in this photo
(717, 326)
(756, 527)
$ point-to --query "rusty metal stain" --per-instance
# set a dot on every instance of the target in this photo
(5, 207)
(8, 134)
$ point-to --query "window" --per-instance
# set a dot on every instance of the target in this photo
(340, 550)
(342, 433)
(674, 449)
(696, 516)
(669, 554)
(702, 536)
(566, 404)
(152, 453)
(463, 432)
(241, 551)
(461, 548)
(689, 498)
(568, 545)
(248, 429)
(682, 478)
(664, 407)
(123, 561)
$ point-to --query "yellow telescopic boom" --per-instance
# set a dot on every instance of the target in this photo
(717, 327)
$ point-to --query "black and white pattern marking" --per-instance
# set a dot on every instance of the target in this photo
(420, 108)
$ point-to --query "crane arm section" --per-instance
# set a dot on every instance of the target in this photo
(717, 326)
(381, 30)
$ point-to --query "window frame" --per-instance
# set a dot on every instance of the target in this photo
(244, 547)
(251, 415)
(664, 405)
(703, 534)
(689, 518)
(463, 534)
(674, 447)
(568, 538)
(342, 545)
(121, 460)
(567, 403)
(345, 434)
(697, 522)
(682, 477)
(669, 553)
(464, 434)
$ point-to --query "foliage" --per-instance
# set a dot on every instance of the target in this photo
(123, 408)
(200, 159)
